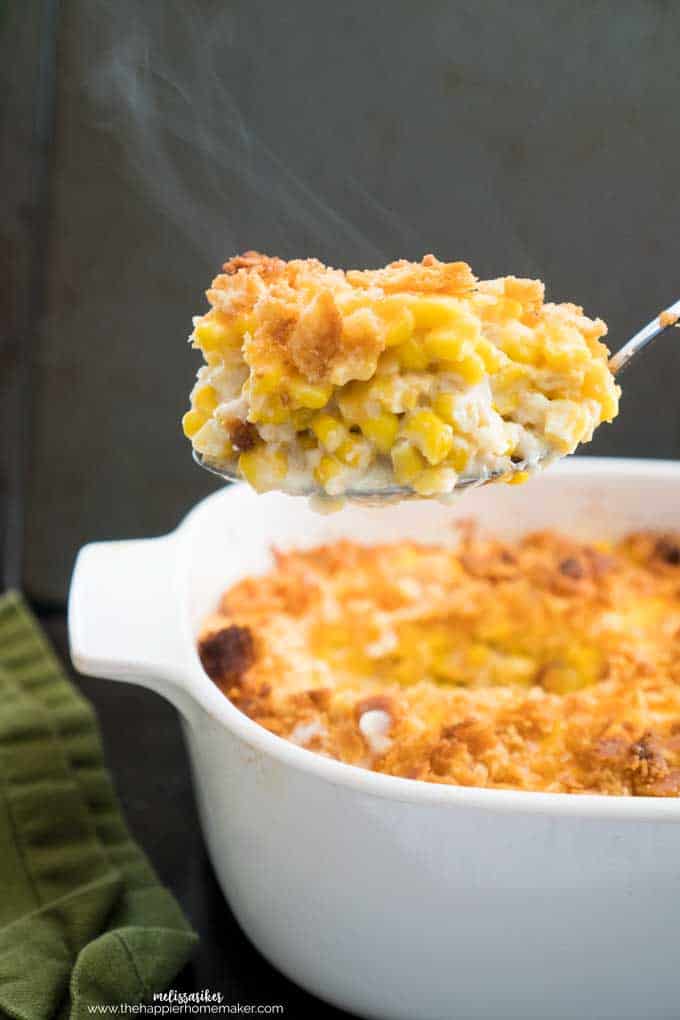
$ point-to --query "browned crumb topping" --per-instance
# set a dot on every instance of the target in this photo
(544, 664)
(227, 653)
(304, 308)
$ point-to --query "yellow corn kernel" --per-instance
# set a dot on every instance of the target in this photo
(330, 432)
(213, 443)
(430, 312)
(263, 468)
(388, 364)
(491, 357)
(517, 478)
(399, 327)
(522, 344)
(597, 385)
(471, 369)
(354, 452)
(326, 470)
(407, 462)
(192, 422)
(434, 480)
(241, 325)
(309, 395)
(478, 654)
(444, 404)
(575, 668)
(444, 344)
(213, 334)
(432, 436)
(393, 393)
(210, 335)
(353, 400)
(262, 384)
(205, 399)
(503, 310)
(381, 430)
(413, 356)
(302, 419)
(459, 454)
(271, 412)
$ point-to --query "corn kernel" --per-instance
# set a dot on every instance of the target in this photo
(407, 462)
(430, 312)
(470, 368)
(575, 668)
(263, 384)
(381, 430)
(430, 434)
(192, 422)
(271, 412)
(444, 344)
(205, 399)
(388, 364)
(517, 478)
(491, 357)
(459, 454)
(353, 401)
(326, 470)
(503, 310)
(434, 480)
(413, 356)
(444, 404)
(302, 418)
(309, 395)
(212, 442)
(263, 467)
(399, 327)
(355, 452)
(210, 335)
(329, 431)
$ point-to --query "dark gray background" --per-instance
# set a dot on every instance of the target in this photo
(145, 143)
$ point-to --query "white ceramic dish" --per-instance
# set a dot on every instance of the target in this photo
(390, 897)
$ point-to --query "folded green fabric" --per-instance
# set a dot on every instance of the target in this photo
(83, 918)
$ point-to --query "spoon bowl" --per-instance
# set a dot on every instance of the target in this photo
(387, 493)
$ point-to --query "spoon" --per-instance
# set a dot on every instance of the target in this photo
(392, 493)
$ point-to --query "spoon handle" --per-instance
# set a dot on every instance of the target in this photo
(637, 343)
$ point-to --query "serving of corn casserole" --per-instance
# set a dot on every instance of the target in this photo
(417, 376)
(544, 664)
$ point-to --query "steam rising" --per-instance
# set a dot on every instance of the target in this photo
(162, 78)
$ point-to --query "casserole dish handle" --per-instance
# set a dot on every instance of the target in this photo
(124, 618)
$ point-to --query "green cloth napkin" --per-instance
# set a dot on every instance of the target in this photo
(83, 917)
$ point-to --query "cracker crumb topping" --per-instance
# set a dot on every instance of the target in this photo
(541, 664)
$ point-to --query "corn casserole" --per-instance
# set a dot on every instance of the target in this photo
(544, 664)
(417, 375)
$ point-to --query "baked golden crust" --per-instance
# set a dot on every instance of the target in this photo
(413, 375)
(545, 664)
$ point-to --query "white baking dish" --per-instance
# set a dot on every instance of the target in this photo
(390, 897)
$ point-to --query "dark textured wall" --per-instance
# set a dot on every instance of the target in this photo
(525, 137)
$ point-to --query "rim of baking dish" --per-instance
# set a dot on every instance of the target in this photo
(416, 791)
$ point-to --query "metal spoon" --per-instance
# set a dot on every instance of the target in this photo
(392, 493)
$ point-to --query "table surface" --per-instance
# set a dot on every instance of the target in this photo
(138, 726)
